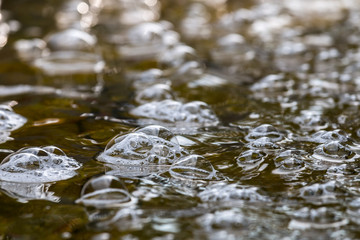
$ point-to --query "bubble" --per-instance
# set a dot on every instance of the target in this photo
(334, 152)
(196, 24)
(176, 55)
(273, 83)
(322, 193)
(10, 121)
(157, 92)
(289, 161)
(223, 219)
(152, 145)
(105, 192)
(29, 50)
(71, 40)
(193, 167)
(341, 170)
(311, 120)
(174, 111)
(232, 49)
(38, 164)
(135, 12)
(263, 143)
(146, 40)
(70, 62)
(353, 210)
(188, 72)
(323, 136)
(317, 218)
(146, 79)
(223, 192)
(265, 130)
(250, 158)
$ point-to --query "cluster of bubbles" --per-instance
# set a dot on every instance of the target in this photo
(38, 164)
(173, 111)
(9, 121)
(69, 51)
(306, 159)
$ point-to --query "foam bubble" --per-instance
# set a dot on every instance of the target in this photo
(328, 136)
(335, 152)
(265, 130)
(146, 40)
(71, 40)
(38, 164)
(353, 210)
(319, 193)
(289, 161)
(222, 192)
(311, 120)
(10, 121)
(157, 92)
(224, 219)
(263, 143)
(193, 167)
(174, 111)
(250, 158)
(177, 55)
(154, 145)
(70, 62)
(30, 49)
(317, 218)
(104, 192)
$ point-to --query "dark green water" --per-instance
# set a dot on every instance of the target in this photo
(272, 152)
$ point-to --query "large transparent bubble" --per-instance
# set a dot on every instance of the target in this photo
(174, 111)
(250, 159)
(152, 145)
(193, 167)
(38, 165)
(105, 192)
(108, 204)
(334, 152)
(290, 161)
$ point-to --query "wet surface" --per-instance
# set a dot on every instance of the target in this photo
(175, 119)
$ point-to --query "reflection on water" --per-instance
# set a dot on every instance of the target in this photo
(24, 192)
(172, 119)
